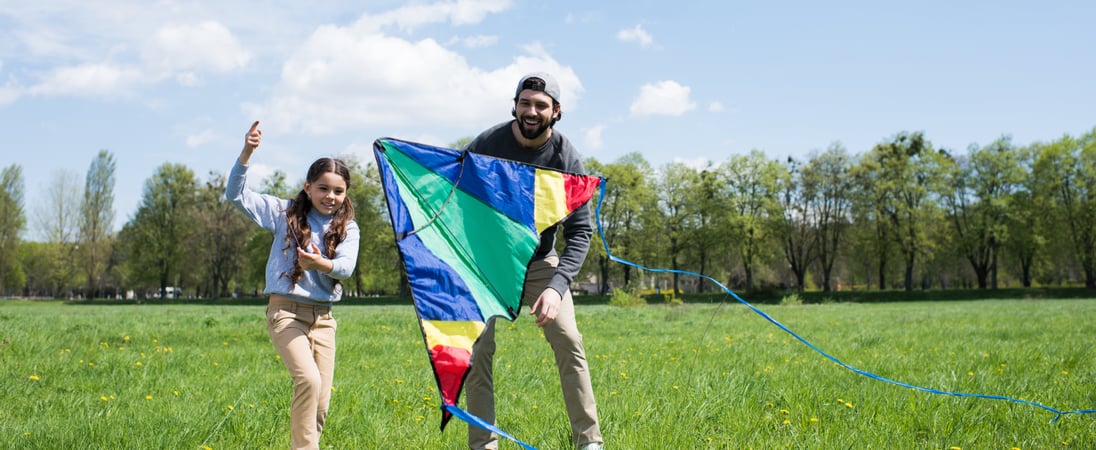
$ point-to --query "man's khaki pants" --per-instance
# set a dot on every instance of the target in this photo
(304, 336)
(574, 376)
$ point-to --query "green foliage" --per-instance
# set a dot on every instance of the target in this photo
(791, 300)
(673, 300)
(625, 298)
(12, 221)
(119, 376)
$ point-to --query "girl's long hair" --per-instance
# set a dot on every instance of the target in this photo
(299, 233)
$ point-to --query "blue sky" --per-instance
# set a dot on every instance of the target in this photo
(171, 81)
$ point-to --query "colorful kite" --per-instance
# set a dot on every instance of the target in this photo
(467, 225)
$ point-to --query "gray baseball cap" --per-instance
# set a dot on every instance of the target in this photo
(534, 81)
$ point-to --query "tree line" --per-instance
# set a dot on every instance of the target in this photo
(902, 215)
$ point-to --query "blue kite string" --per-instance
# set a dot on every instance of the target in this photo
(472, 419)
(1057, 413)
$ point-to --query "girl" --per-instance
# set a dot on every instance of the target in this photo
(315, 246)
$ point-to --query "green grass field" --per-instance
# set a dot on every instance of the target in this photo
(694, 376)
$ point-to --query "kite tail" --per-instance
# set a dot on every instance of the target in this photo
(476, 421)
(1057, 413)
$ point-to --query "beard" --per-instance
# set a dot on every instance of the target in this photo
(536, 132)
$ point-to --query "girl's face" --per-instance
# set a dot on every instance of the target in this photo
(327, 193)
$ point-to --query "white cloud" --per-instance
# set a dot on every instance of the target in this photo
(89, 79)
(196, 140)
(477, 41)
(188, 79)
(458, 12)
(8, 95)
(592, 137)
(636, 34)
(207, 45)
(716, 107)
(666, 98)
(353, 77)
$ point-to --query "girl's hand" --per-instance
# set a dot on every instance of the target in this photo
(313, 260)
(253, 138)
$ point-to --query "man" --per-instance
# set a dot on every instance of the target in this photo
(530, 138)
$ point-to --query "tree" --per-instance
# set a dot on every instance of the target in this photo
(906, 176)
(218, 248)
(1026, 222)
(97, 221)
(380, 267)
(159, 228)
(12, 221)
(58, 222)
(828, 187)
(1066, 169)
(753, 186)
(673, 186)
(628, 197)
(798, 224)
(708, 201)
(980, 188)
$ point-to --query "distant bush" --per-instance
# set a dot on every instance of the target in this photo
(624, 298)
(792, 300)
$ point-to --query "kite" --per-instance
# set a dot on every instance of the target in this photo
(466, 226)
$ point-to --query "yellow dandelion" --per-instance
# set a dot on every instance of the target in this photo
(230, 407)
(34, 378)
(814, 420)
(1014, 448)
(126, 339)
(783, 411)
(1065, 372)
(148, 397)
(225, 343)
(176, 393)
(206, 447)
(787, 422)
(675, 387)
(91, 364)
(103, 398)
(623, 376)
(970, 374)
(138, 364)
(536, 406)
(613, 393)
(955, 447)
